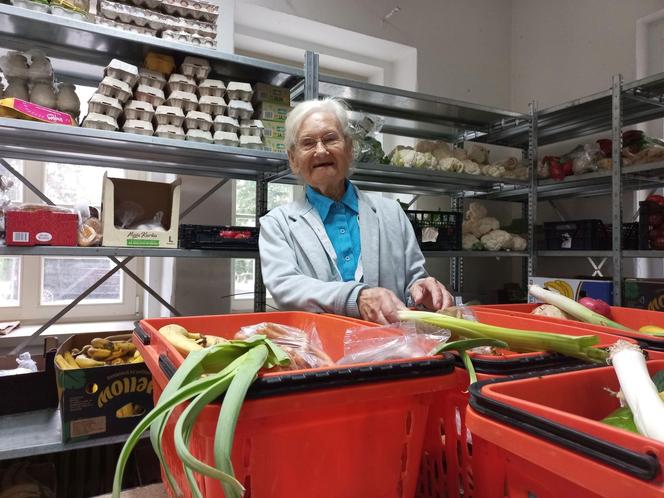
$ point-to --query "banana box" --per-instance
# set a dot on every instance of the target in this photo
(101, 394)
(647, 294)
(576, 288)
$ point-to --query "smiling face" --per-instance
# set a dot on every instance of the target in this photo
(322, 154)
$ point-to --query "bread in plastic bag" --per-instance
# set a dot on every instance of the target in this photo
(392, 342)
(303, 347)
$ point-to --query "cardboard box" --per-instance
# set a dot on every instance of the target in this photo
(274, 145)
(152, 198)
(269, 111)
(576, 288)
(645, 294)
(41, 225)
(29, 391)
(91, 397)
(268, 93)
(274, 129)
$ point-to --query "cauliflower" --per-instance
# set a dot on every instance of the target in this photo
(475, 211)
(468, 241)
(486, 225)
(442, 151)
(509, 164)
(426, 146)
(493, 170)
(469, 227)
(450, 164)
(470, 167)
(496, 240)
(518, 243)
(407, 158)
(425, 160)
(395, 156)
(521, 173)
(551, 311)
(478, 154)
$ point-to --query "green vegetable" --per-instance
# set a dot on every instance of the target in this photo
(519, 340)
(658, 380)
(462, 345)
(622, 418)
(229, 368)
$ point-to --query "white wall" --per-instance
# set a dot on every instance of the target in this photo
(571, 48)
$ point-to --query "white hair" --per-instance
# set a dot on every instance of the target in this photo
(300, 112)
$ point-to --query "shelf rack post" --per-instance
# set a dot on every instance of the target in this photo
(532, 190)
(616, 187)
(456, 263)
(260, 296)
(310, 75)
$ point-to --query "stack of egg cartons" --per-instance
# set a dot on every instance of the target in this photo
(240, 108)
(272, 107)
(115, 89)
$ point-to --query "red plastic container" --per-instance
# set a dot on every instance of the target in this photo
(629, 317)
(453, 455)
(355, 431)
(542, 436)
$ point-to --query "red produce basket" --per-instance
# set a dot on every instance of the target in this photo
(542, 436)
(629, 317)
(352, 431)
(453, 455)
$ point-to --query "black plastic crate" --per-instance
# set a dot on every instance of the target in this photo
(578, 235)
(218, 237)
(441, 229)
(651, 222)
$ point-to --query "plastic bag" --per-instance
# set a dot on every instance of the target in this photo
(25, 365)
(303, 347)
(127, 213)
(155, 224)
(366, 147)
(391, 342)
(584, 158)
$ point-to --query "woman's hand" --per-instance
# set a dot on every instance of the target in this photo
(379, 305)
(430, 293)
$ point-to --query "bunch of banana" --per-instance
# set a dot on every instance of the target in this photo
(112, 350)
(561, 287)
(186, 342)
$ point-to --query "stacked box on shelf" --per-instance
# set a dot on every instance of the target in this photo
(272, 106)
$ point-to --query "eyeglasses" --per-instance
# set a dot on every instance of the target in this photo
(308, 144)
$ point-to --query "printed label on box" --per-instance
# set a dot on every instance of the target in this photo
(142, 243)
(87, 426)
(44, 237)
(20, 236)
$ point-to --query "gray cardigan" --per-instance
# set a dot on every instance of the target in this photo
(299, 264)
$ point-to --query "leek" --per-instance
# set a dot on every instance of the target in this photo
(519, 341)
(464, 344)
(224, 364)
(571, 307)
(638, 389)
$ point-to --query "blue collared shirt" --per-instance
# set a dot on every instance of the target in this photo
(340, 220)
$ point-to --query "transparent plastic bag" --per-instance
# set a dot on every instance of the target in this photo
(155, 224)
(366, 147)
(303, 347)
(25, 365)
(127, 213)
(585, 158)
(392, 342)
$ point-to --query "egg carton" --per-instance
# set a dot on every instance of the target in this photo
(211, 88)
(150, 94)
(111, 87)
(140, 17)
(100, 122)
(239, 91)
(212, 105)
(195, 9)
(170, 131)
(139, 111)
(240, 109)
(195, 67)
(138, 127)
(185, 37)
(36, 6)
(131, 28)
(196, 120)
(251, 142)
(169, 115)
(184, 100)
(122, 71)
(199, 136)
(151, 78)
(227, 138)
(181, 83)
(252, 127)
(226, 123)
(103, 105)
(147, 4)
(61, 11)
(206, 29)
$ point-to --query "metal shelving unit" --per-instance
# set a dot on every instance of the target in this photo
(126, 252)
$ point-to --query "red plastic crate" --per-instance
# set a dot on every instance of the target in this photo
(542, 436)
(452, 455)
(629, 317)
(355, 431)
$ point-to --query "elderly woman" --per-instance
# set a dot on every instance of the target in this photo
(339, 250)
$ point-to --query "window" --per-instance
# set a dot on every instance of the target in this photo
(34, 288)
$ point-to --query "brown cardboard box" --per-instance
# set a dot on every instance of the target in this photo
(152, 197)
(274, 145)
(274, 129)
(91, 397)
(268, 93)
(647, 294)
(268, 111)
